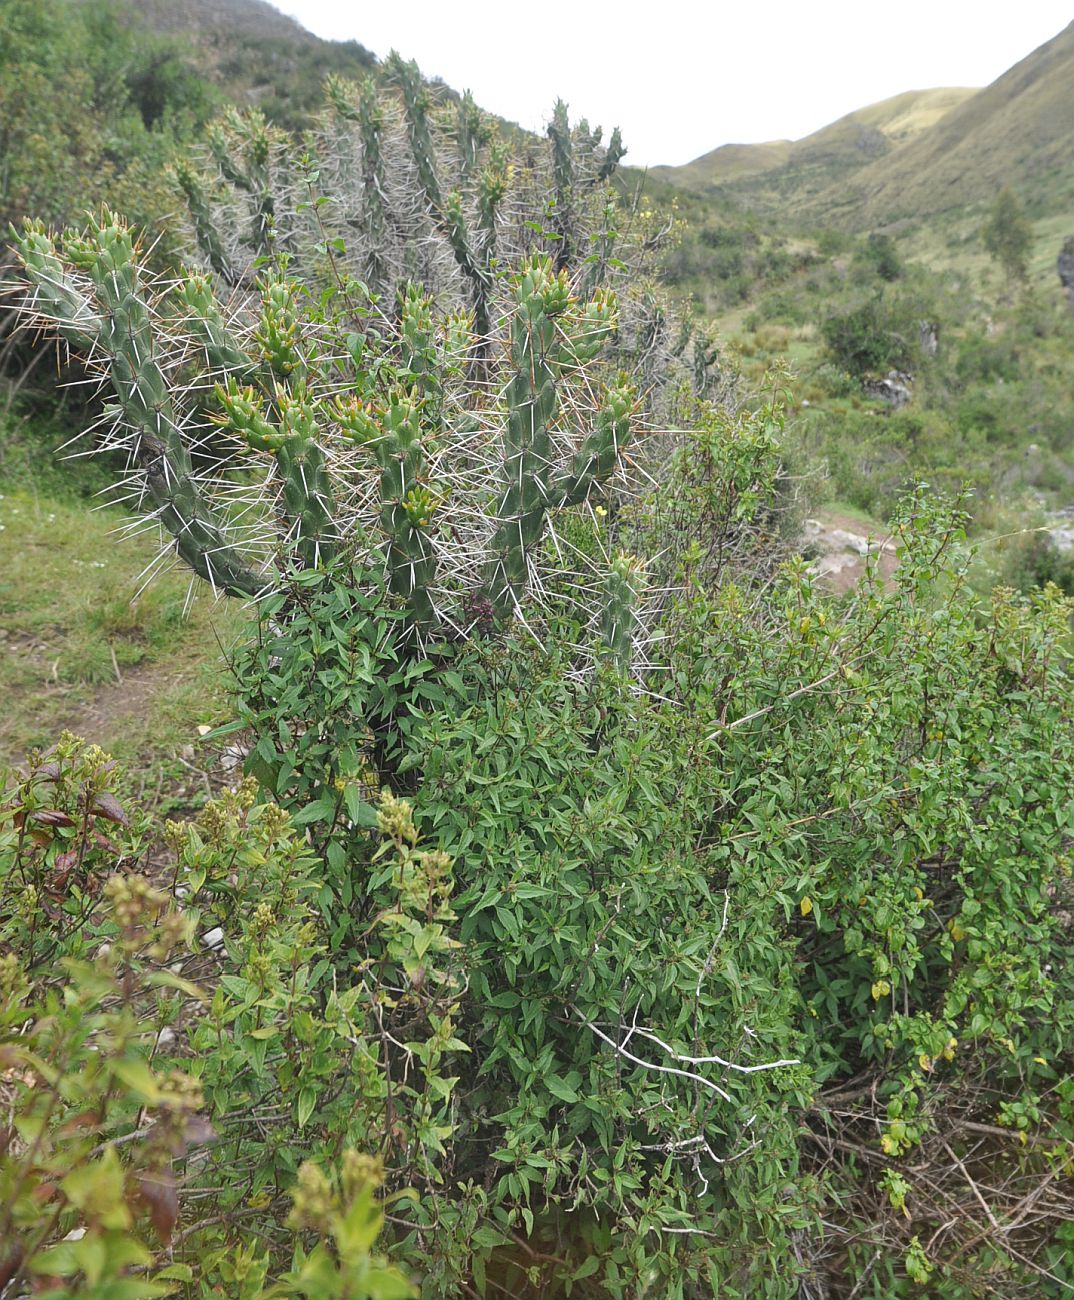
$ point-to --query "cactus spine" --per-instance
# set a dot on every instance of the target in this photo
(122, 332)
(541, 351)
(559, 132)
(619, 615)
(201, 216)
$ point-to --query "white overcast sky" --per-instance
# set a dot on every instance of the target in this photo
(681, 78)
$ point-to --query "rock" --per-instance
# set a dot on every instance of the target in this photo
(928, 333)
(896, 389)
(1065, 267)
(1061, 529)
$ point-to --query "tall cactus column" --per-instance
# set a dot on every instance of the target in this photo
(559, 131)
(549, 337)
(120, 328)
(532, 401)
(448, 213)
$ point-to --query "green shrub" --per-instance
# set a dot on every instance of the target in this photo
(151, 1121)
(881, 257)
(879, 335)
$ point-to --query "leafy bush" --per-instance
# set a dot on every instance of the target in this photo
(880, 255)
(878, 335)
(133, 1093)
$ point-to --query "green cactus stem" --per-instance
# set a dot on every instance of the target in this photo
(448, 214)
(472, 133)
(220, 348)
(542, 348)
(603, 245)
(120, 328)
(201, 215)
(599, 455)
(559, 132)
(623, 586)
(370, 128)
(242, 147)
(307, 491)
(613, 156)
(406, 77)
(407, 505)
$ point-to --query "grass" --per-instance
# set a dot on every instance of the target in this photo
(82, 648)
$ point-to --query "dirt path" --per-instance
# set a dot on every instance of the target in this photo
(106, 712)
(841, 544)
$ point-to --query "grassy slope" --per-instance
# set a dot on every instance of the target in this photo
(79, 648)
(1016, 132)
(781, 170)
(258, 55)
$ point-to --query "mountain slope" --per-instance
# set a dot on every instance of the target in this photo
(258, 55)
(783, 171)
(1017, 131)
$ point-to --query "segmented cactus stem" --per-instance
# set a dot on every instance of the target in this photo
(201, 215)
(549, 336)
(120, 329)
(623, 586)
(559, 131)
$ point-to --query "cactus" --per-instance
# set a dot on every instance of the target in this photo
(448, 214)
(218, 345)
(344, 431)
(613, 156)
(242, 147)
(472, 133)
(415, 194)
(602, 240)
(541, 350)
(407, 79)
(559, 132)
(119, 329)
(193, 190)
(619, 614)
(371, 218)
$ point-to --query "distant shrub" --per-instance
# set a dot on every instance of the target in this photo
(878, 335)
(983, 360)
(881, 257)
(1008, 236)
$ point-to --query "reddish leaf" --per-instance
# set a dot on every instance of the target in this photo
(10, 1263)
(47, 772)
(85, 1119)
(51, 817)
(158, 1191)
(108, 806)
(197, 1131)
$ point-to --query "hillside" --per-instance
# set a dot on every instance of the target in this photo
(256, 54)
(1015, 132)
(782, 172)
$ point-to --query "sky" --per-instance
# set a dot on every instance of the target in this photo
(682, 78)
